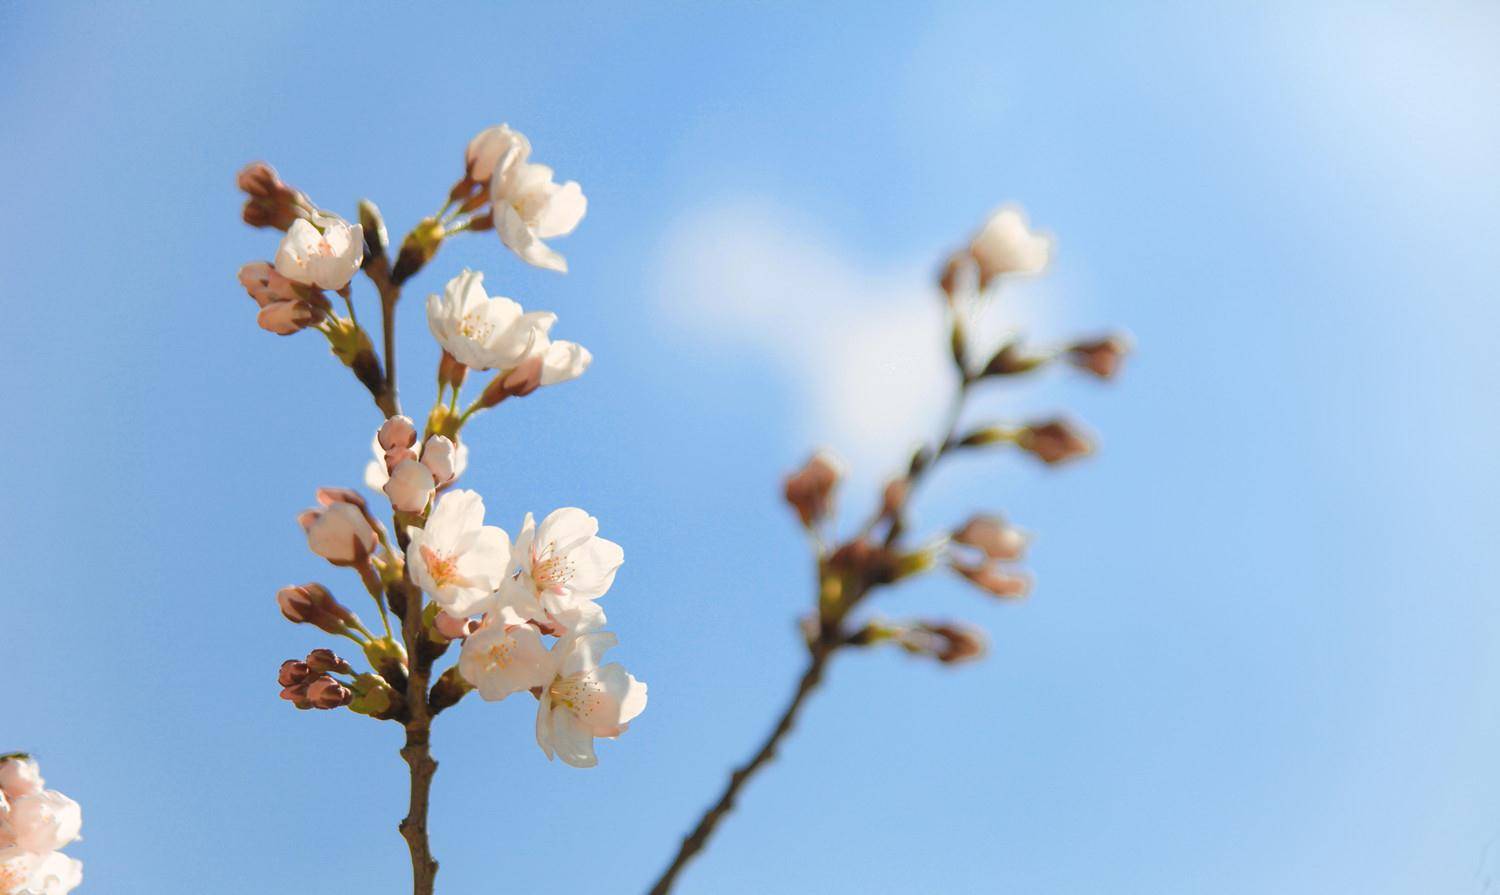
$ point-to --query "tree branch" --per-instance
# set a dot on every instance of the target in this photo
(695, 841)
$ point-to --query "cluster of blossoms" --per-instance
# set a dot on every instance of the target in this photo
(523, 612)
(496, 597)
(35, 824)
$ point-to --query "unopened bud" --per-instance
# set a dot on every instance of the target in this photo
(449, 689)
(519, 382)
(293, 672)
(374, 697)
(377, 240)
(951, 643)
(810, 489)
(992, 535)
(957, 273)
(327, 693)
(1101, 357)
(269, 202)
(388, 658)
(322, 661)
(417, 249)
(859, 560)
(312, 604)
(994, 580)
(453, 627)
(1053, 442)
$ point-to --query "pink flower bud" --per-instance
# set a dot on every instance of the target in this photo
(1101, 357)
(951, 643)
(439, 455)
(453, 627)
(265, 285)
(410, 486)
(810, 489)
(312, 604)
(397, 432)
(992, 535)
(327, 693)
(996, 581)
(1053, 442)
(322, 661)
(293, 673)
(339, 533)
(20, 775)
(287, 317)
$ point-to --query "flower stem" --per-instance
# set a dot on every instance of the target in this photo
(695, 841)
(417, 751)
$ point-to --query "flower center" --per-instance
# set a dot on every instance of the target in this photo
(582, 696)
(12, 875)
(323, 248)
(442, 567)
(551, 571)
(474, 326)
(500, 654)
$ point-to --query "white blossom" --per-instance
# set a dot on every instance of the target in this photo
(584, 701)
(325, 253)
(500, 658)
(1007, 245)
(43, 821)
(561, 568)
(457, 559)
(529, 206)
(28, 873)
(489, 147)
(20, 775)
(484, 332)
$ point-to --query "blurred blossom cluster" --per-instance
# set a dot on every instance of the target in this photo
(985, 548)
(36, 823)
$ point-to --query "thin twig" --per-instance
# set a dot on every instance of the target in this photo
(698, 838)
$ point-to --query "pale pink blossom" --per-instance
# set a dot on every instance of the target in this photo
(43, 821)
(482, 331)
(324, 253)
(489, 147)
(19, 776)
(457, 559)
(560, 568)
(28, 873)
(338, 532)
(1006, 245)
(500, 659)
(584, 701)
(529, 206)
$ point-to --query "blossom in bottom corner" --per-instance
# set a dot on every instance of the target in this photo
(584, 701)
(27, 873)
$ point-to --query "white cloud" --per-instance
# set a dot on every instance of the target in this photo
(859, 343)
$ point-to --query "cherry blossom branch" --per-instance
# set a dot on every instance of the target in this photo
(851, 572)
(695, 841)
(417, 752)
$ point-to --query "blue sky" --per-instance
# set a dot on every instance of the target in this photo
(1260, 654)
